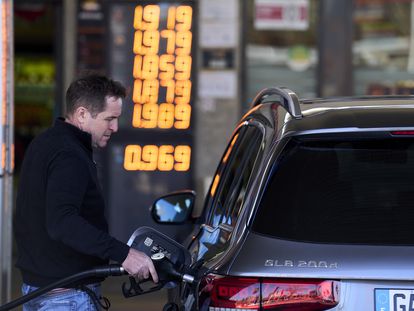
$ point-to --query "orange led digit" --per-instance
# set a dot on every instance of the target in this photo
(138, 48)
(150, 91)
(146, 67)
(145, 91)
(171, 18)
(167, 67)
(183, 41)
(184, 16)
(170, 93)
(145, 116)
(146, 42)
(147, 18)
(166, 158)
(170, 36)
(151, 16)
(149, 116)
(149, 158)
(182, 156)
(151, 40)
(138, 66)
(138, 22)
(137, 70)
(182, 92)
(183, 116)
(136, 115)
(183, 68)
(150, 67)
(166, 116)
(137, 93)
(132, 157)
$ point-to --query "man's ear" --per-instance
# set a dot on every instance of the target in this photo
(81, 114)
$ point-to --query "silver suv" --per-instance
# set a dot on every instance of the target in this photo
(311, 208)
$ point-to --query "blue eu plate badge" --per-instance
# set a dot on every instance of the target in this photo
(394, 299)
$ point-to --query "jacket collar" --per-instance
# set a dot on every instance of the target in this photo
(84, 137)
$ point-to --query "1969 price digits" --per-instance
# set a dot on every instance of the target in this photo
(162, 72)
(152, 157)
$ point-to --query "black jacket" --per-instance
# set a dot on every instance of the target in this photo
(59, 225)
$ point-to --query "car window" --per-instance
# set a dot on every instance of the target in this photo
(227, 193)
(341, 192)
(234, 173)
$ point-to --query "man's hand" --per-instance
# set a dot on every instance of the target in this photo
(140, 266)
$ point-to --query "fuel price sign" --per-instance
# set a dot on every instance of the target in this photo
(162, 84)
(151, 51)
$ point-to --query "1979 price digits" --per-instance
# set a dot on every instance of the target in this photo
(169, 70)
(152, 158)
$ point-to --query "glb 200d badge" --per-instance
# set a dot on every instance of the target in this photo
(301, 263)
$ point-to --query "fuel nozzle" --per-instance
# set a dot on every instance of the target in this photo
(167, 271)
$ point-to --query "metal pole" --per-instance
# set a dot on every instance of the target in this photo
(6, 143)
(335, 48)
(69, 47)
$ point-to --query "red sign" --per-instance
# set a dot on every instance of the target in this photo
(281, 14)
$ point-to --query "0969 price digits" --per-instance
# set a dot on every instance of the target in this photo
(152, 158)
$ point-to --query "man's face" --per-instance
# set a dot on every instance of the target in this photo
(105, 123)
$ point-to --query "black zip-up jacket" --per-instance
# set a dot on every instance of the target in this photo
(59, 225)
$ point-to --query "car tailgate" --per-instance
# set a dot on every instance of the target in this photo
(266, 256)
(371, 277)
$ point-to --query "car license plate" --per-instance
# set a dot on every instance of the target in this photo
(394, 299)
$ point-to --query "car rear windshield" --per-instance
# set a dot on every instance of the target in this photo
(358, 192)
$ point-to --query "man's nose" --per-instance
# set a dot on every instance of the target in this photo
(113, 126)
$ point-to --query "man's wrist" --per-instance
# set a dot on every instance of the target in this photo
(119, 251)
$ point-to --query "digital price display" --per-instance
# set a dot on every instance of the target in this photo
(162, 84)
(150, 50)
(151, 158)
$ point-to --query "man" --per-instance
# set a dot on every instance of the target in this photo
(60, 226)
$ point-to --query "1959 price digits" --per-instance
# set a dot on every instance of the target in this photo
(152, 157)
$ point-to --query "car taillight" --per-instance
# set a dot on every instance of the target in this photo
(233, 293)
(229, 292)
(299, 295)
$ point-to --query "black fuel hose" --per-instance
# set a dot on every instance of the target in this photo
(104, 271)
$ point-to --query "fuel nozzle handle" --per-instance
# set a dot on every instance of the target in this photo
(167, 271)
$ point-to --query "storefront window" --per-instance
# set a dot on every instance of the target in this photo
(34, 72)
(281, 45)
(383, 48)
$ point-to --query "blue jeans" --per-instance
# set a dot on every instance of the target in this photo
(61, 299)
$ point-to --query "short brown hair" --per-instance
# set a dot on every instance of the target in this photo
(90, 91)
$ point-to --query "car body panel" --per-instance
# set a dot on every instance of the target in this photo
(269, 257)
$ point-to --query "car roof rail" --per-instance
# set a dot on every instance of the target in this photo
(290, 100)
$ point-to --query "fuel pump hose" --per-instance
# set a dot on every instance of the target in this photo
(104, 271)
